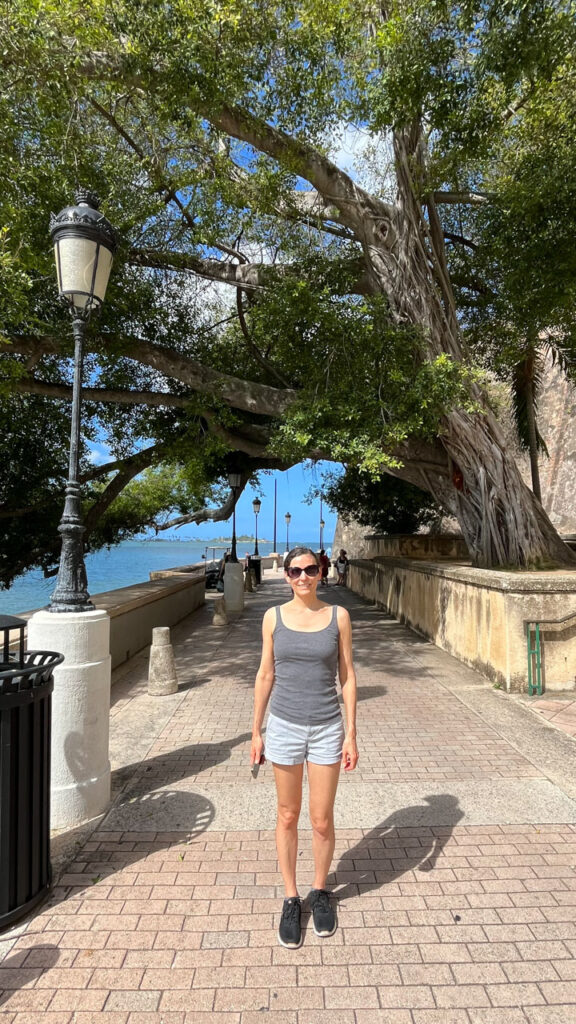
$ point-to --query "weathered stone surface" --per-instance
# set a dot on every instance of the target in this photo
(220, 617)
(162, 678)
(557, 424)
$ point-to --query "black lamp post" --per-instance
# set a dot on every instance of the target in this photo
(256, 505)
(321, 522)
(234, 479)
(287, 517)
(84, 245)
(322, 525)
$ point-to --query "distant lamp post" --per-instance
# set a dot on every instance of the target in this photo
(84, 246)
(322, 525)
(234, 479)
(256, 505)
(287, 518)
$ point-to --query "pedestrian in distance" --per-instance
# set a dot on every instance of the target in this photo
(324, 562)
(341, 564)
(305, 643)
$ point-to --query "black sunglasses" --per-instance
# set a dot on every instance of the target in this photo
(310, 570)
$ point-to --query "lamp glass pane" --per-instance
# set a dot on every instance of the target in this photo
(76, 265)
(103, 273)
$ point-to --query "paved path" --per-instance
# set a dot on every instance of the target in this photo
(455, 864)
(558, 709)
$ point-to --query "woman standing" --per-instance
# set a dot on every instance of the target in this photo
(342, 564)
(304, 643)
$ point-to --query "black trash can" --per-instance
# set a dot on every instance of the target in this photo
(26, 684)
(256, 564)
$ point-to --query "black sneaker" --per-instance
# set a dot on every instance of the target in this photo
(323, 914)
(290, 932)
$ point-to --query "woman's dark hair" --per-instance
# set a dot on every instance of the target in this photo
(296, 552)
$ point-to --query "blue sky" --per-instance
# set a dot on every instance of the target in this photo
(293, 485)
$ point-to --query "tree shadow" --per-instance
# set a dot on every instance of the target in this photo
(410, 839)
(163, 811)
(174, 765)
(169, 766)
(25, 967)
(369, 692)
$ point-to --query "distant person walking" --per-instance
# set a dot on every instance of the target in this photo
(304, 643)
(324, 562)
(342, 564)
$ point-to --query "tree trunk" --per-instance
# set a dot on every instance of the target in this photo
(501, 520)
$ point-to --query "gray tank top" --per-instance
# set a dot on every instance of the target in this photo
(305, 673)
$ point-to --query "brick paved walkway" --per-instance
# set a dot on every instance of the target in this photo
(455, 864)
(559, 711)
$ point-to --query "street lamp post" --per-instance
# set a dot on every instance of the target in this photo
(256, 505)
(322, 525)
(234, 479)
(233, 572)
(287, 518)
(84, 245)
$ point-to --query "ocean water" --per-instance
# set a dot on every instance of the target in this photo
(127, 563)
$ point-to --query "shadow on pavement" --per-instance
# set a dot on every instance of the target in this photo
(176, 764)
(369, 692)
(24, 967)
(389, 850)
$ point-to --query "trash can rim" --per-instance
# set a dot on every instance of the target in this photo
(15, 669)
(11, 622)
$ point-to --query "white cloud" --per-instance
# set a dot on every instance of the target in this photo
(98, 454)
(367, 157)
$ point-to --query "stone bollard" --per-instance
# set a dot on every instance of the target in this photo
(162, 678)
(275, 565)
(248, 587)
(220, 617)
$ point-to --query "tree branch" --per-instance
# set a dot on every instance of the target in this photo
(249, 396)
(31, 386)
(459, 240)
(205, 515)
(465, 198)
(252, 347)
(130, 468)
(252, 277)
(335, 186)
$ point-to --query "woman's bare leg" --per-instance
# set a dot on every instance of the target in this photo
(289, 793)
(323, 782)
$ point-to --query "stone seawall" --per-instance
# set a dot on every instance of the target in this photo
(479, 616)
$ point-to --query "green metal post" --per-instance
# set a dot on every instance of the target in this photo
(534, 686)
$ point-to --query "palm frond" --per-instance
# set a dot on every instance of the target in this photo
(526, 384)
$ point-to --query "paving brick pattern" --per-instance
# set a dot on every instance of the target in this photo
(464, 923)
(453, 924)
(559, 712)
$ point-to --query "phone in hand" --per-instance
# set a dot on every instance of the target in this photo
(256, 766)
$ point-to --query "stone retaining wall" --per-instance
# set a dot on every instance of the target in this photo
(422, 546)
(135, 611)
(479, 615)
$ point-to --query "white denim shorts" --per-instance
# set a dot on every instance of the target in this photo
(288, 743)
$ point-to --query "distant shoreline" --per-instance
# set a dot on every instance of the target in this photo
(244, 539)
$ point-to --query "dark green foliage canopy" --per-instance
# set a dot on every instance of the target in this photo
(259, 312)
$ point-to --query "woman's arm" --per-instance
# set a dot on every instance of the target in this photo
(347, 677)
(263, 685)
